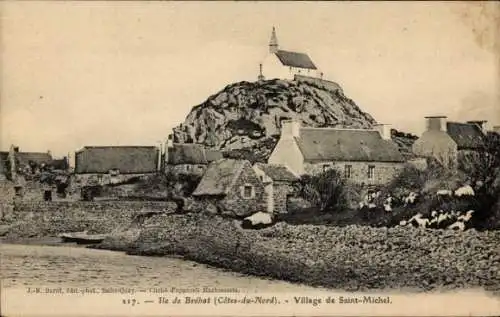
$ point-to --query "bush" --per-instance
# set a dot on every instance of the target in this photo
(327, 191)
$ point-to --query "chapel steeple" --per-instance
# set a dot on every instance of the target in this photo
(273, 42)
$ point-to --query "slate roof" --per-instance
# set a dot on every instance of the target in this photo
(189, 153)
(295, 59)
(220, 177)
(278, 172)
(328, 144)
(127, 159)
(465, 135)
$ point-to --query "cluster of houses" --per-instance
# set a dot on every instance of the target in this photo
(364, 156)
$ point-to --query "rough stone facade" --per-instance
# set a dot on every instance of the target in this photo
(187, 169)
(102, 179)
(236, 202)
(51, 218)
(281, 192)
(383, 172)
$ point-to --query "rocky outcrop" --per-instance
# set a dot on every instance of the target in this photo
(244, 113)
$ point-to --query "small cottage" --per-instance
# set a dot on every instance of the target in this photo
(232, 187)
(450, 143)
(363, 156)
(189, 158)
(111, 164)
(279, 183)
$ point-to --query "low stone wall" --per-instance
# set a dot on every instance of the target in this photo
(37, 219)
(350, 258)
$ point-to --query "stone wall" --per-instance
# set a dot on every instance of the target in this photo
(79, 180)
(246, 206)
(281, 190)
(32, 219)
(186, 169)
(384, 172)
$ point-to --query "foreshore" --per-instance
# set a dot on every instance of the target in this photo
(351, 258)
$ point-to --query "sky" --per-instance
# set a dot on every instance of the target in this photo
(125, 73)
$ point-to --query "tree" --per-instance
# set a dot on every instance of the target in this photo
(326, 190)
(483, 169)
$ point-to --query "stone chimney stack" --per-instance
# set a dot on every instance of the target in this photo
(290, 129)
(384, 130)
(436, 123)
(12, 160)
(168, 146)
(481, 124)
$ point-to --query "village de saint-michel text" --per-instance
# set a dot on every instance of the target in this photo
(273, 300)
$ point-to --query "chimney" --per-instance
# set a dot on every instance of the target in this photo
(159, 163)
(12, 160)
(384, 130)
(481, 124)
(168, 146)
(290, 129)
(436, 123)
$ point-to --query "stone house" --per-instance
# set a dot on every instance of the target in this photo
(26, 163)
(450, 143)
(232, 187)
(362, 156)
(114, 164)
(279, 183)
(189, 158)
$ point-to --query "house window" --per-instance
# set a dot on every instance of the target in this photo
(348, 171)
(371, 171)
(247, 191)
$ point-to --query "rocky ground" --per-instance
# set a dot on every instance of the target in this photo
(350, 258)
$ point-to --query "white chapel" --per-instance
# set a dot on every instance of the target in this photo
(283, 64)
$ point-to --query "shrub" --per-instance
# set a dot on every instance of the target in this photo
(326, 191)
